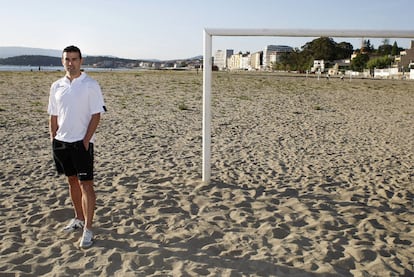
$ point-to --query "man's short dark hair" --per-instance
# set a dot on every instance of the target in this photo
(73, 48)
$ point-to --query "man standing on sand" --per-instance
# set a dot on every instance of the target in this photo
(75, 107)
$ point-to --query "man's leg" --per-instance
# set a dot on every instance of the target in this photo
(88, 202)
(76, 196)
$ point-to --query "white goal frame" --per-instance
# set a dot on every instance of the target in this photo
(207, 66)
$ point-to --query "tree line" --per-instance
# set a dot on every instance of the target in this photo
(325, 48)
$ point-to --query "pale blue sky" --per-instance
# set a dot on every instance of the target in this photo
(169, 29)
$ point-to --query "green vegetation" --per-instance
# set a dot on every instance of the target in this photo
(380, 62)
(327, 49)
(359, 62)
(323, 48)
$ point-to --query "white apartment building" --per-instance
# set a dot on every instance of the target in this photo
(221, 58)
(234, 61)
(256, 60)
(272, 53)
(239, 61)
(318, 66)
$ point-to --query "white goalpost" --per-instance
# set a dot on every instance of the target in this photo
(207, 66)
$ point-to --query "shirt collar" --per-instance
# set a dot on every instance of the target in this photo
(78, 79)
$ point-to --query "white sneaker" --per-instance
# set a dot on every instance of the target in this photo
(73, 225)
(87, 239)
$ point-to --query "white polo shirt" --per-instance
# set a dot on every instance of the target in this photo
(74, 103)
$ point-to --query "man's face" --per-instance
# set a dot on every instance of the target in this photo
(72, 62)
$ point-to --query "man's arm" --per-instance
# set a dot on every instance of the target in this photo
(93, 124)
(53, 126)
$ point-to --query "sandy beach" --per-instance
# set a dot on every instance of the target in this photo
(309, 178)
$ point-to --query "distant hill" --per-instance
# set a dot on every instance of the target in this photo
(32, 60)
(24, 56)
(12, 51)
(39, 60)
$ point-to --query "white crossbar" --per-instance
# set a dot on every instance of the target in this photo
(311, 33)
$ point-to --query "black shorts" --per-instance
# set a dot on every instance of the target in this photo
(71, 158)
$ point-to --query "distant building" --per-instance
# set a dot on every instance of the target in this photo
(234, 61)
(221, 58)
(245, 61)
(239, 61)
(339, 66)
(407, 57)
(272, 54)
(318, 66)
(256, 60)
(261, 60)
